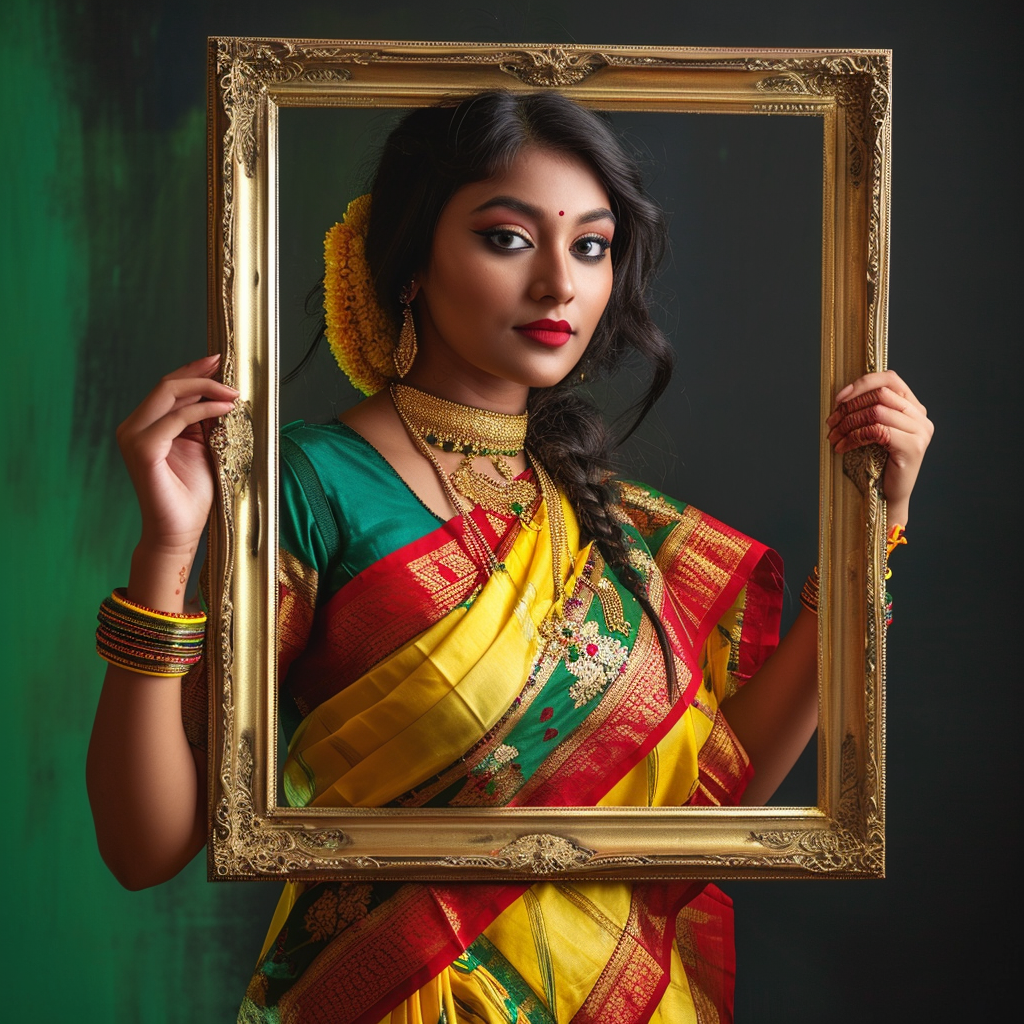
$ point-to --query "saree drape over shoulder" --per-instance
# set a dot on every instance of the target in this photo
(412, 676)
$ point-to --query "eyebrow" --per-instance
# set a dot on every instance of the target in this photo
(511, 203)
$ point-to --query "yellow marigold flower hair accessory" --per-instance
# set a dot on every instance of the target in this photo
(361, 335)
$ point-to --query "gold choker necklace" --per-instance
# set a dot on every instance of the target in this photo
(471, 432)
(460, 428)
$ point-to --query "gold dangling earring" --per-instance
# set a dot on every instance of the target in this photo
(405, 350)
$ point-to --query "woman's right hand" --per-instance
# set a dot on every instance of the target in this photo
(164, 447)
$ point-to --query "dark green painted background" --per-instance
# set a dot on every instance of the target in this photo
(102, 288)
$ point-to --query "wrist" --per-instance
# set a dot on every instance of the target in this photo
(159, 576)
(897, 512)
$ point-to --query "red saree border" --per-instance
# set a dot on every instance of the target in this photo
(392, 601)
(639, 969)
(695, 557)
(341, 986)
(762, 614)
(705, 937)
(724, 770)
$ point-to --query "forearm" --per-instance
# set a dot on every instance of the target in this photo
(147, 802)
(775, 714)
(146, 785)
(897, 513)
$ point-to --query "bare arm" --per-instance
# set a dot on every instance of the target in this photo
(147, 786)
(776, 713)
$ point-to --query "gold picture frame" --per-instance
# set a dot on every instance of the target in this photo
(251, 836)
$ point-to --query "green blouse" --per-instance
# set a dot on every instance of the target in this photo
(369, 510)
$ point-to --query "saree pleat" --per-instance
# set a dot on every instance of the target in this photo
(470, 698)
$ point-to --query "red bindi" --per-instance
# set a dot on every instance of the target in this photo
(561, 213)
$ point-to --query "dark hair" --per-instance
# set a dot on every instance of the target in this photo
(427, 158)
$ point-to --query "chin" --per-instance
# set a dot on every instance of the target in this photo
(541, 373)
(551, 382)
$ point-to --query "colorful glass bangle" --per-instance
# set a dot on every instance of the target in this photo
(148, 641)
(144, 663)
(170, 649)
(809, 594)
(140, 634)
(140, 666)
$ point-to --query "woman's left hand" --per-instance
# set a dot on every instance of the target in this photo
(879, 408)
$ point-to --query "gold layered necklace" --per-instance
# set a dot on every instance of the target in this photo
(472, 433)
(434, 422)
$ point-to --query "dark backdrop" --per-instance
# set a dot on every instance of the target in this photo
(102, 232)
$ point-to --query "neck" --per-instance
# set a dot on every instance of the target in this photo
(479, 391)
(457, 427)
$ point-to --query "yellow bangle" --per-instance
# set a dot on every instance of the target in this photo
(897, 536)
(179, 618)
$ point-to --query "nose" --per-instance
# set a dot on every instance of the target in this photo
(552, 280)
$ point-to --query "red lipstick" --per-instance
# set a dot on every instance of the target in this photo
(552, 333)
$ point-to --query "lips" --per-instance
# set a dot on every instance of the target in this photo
(552, 333)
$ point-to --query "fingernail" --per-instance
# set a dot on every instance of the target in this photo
(842, 394)
(832, 420)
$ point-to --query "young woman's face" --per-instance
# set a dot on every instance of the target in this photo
(519, 275)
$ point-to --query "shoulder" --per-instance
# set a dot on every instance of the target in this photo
(648, 510)
(656, 517)
(327, 457)
(679, 534)
(312, 456)
(320, 443)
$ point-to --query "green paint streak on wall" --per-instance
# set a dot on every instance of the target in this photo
(92, 240)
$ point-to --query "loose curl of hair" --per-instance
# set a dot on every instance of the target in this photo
(435, 151)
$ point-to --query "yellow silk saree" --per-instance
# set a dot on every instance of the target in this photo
(412, 676)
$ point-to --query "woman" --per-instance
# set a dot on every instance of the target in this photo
(504, 623)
